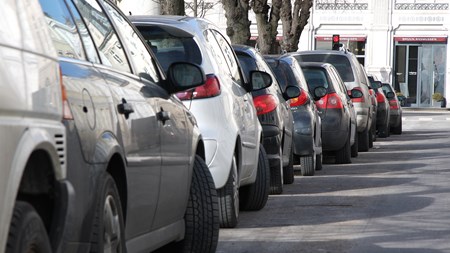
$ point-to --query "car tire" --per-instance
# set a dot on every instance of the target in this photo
(363, 141)
(229, 199)
(354, 147)
(343, 155)
(319, 162)
(108, 218)
(288, 171)
(254, 197)
(308, 165)
(276, 176)
(383, 132)
(27, 231)
(202, 212)
(397, 129)
(371, 138)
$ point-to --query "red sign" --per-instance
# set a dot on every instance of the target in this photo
(420, 39)
(342, 38)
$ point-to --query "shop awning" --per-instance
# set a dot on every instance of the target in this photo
(342, 37)
(420, 38)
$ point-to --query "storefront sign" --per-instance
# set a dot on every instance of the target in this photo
(343, 38)
(420, 39)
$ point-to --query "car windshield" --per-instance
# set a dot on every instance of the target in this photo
(340, 62)
(315, 78)
(170, 48)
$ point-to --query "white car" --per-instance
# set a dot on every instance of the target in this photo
(34, 192)
(223, 107)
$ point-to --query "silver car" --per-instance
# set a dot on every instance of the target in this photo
(34, 192)
(135, 152)
(223, 107)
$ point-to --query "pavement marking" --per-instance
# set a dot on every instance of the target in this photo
(425, 119)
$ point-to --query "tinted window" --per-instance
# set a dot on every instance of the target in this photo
(283, 73)
(139, 55)
(105, 39)
(315, 77)
(169, 47)
(247, 64)
(341, 63)
(62, 29)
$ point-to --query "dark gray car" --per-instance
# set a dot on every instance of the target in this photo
(355, 80)
(135, 153)
(307, 122)
(336, 111)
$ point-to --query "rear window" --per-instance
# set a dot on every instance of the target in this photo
(169, 48)
(315, 77)
(387, 88)
(341, 63)
(247, 64)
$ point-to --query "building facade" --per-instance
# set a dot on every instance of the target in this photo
(401, 42)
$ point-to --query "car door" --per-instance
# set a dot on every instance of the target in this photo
(244, 107)
(137, 127)
(164, 121)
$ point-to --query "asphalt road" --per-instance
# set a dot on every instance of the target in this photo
(394, 198)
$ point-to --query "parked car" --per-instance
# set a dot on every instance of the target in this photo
(336, 109)
(275, 116)
(223, 107)
(395, 121)
(383, 109)
(307, 122)
(373, 99)
(355, 80)
(35, 195)
(135, 153)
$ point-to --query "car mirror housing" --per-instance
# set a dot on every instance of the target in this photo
(390, 95)
(356, 93)
(184, 75)
(291, 91)
(260, 80)
(320, 92)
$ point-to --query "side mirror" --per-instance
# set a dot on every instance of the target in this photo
(183, 75)
(291, 91)
(390, 95)
(259, 80)
(355, 93)
(319, 92)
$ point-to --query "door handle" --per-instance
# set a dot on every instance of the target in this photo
(163, 116)
(125, 108)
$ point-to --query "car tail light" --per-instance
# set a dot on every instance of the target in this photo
(300, 100)
(265, 103)
(359, 99)
(211, 88)
(394, 104)
(67, 113)
(380, 98)
(330, 101)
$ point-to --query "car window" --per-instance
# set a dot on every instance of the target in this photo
(139, 55)
(88, 43)
(340, 86)
(170, 48)
(283, 73)
(315, 77)
(340, 62)
(229, 57)
(109, 47)
(63, 30)
(247, 64)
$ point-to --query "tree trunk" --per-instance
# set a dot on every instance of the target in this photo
(172, 7)
(267, 24)
(294, 20)
(238, 25)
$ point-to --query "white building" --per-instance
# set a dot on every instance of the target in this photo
(402, 42)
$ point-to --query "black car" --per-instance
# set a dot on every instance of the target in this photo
(307, 122)
(383, 109)
(336, 111)
(272, 107)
